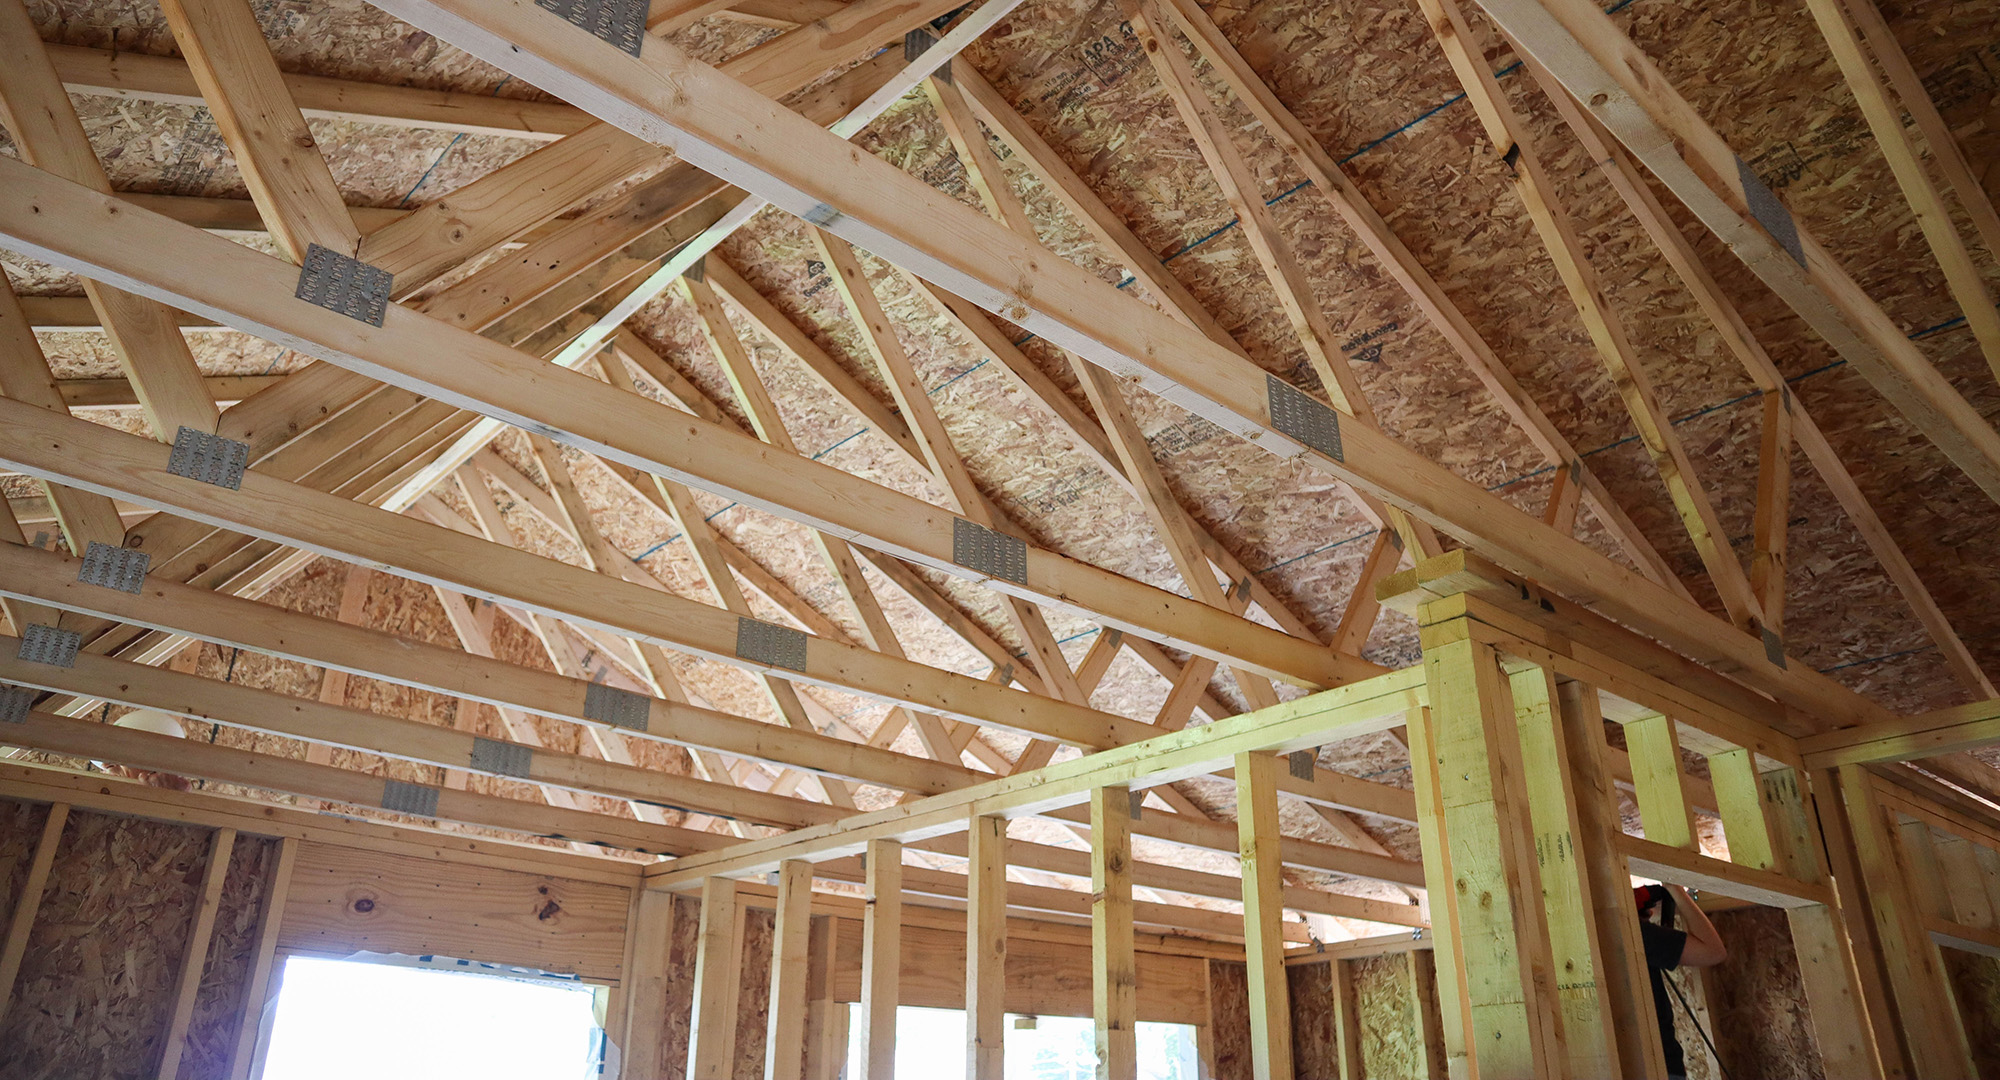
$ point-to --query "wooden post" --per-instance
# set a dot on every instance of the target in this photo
(1346, 1020)
(791, 960)
(826, 1015)
(986, 948)
(257, 990)
(1114, 976)
(22, 921)
(1933, 1034)
(1509, 976)
(712, 1027)
(1263, 915)
(646, 983)
(1453, 1008)
(1572, 916)
(188, 983)
(1621, 974)
(1764, 820)
(881, 960)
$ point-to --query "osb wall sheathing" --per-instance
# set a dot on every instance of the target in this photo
(1975, 986)
(1757, 1009)
(96, 987)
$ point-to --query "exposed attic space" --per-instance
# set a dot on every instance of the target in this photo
(1322, 379)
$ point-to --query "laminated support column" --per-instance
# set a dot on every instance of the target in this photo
(1934, 1037)
(881, 961)
(1503, 968)
(1588, 1013)
(1114, 978)
(1620, 955)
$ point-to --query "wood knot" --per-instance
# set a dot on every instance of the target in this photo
(364, 905)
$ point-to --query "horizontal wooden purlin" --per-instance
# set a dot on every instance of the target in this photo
(204, 760)
(118, 393)
(167, 79)
(1358, 709)
(139, 686)
(1686, 868)
(1701, 676)
(1926, 798)
(83, 454)
(246, 624)
(93, 234)
(1943, 731)
(48, 313)
(718, 124)
(1972, 939)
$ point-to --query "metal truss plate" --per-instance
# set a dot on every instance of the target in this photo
(344, 284)
(619, 22)
(995, 554)
(1769, 212)
(420, 800)
(118, 568)
(44, 644)
(15, 701)
(918, 42)
(770, 644)
(210, 459)
(1774, 647)
(501, 758)
(613, 707)
(1303, 417)
(1302, 763)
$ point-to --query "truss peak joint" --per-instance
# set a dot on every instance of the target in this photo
(615, 22)
(211, 459)
(344, 284)
(15, 701)
(613, 707)
(1769, 211)
(106, 566)
(989, 552)
(417, 800)
(770, 644)
(45, 644)
(1303, 418)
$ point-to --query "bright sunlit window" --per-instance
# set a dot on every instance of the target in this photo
(341, 1019)
(930, 1045)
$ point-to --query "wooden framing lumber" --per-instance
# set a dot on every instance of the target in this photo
(1722, 313)
(1942, 731)
(25, 375)
(986, 948)
(900, 219)
(785, 1032)
(165, 79)
(1885, 120)
(586, 414)
(1263, 916)
(173, 1047)
(1114, 974)
(38, 114)
(1627, 92)
(881, 961)
(21, 919)
(267, 134)
(1509, 142)
(257, 987)
(718, 958)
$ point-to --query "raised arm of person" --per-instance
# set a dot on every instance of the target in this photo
(1704, 945)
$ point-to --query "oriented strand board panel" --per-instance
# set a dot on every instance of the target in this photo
(346, 900)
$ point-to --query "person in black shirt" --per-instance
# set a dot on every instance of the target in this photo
(1667, 948)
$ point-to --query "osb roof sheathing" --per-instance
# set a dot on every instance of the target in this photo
(1372, 86)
